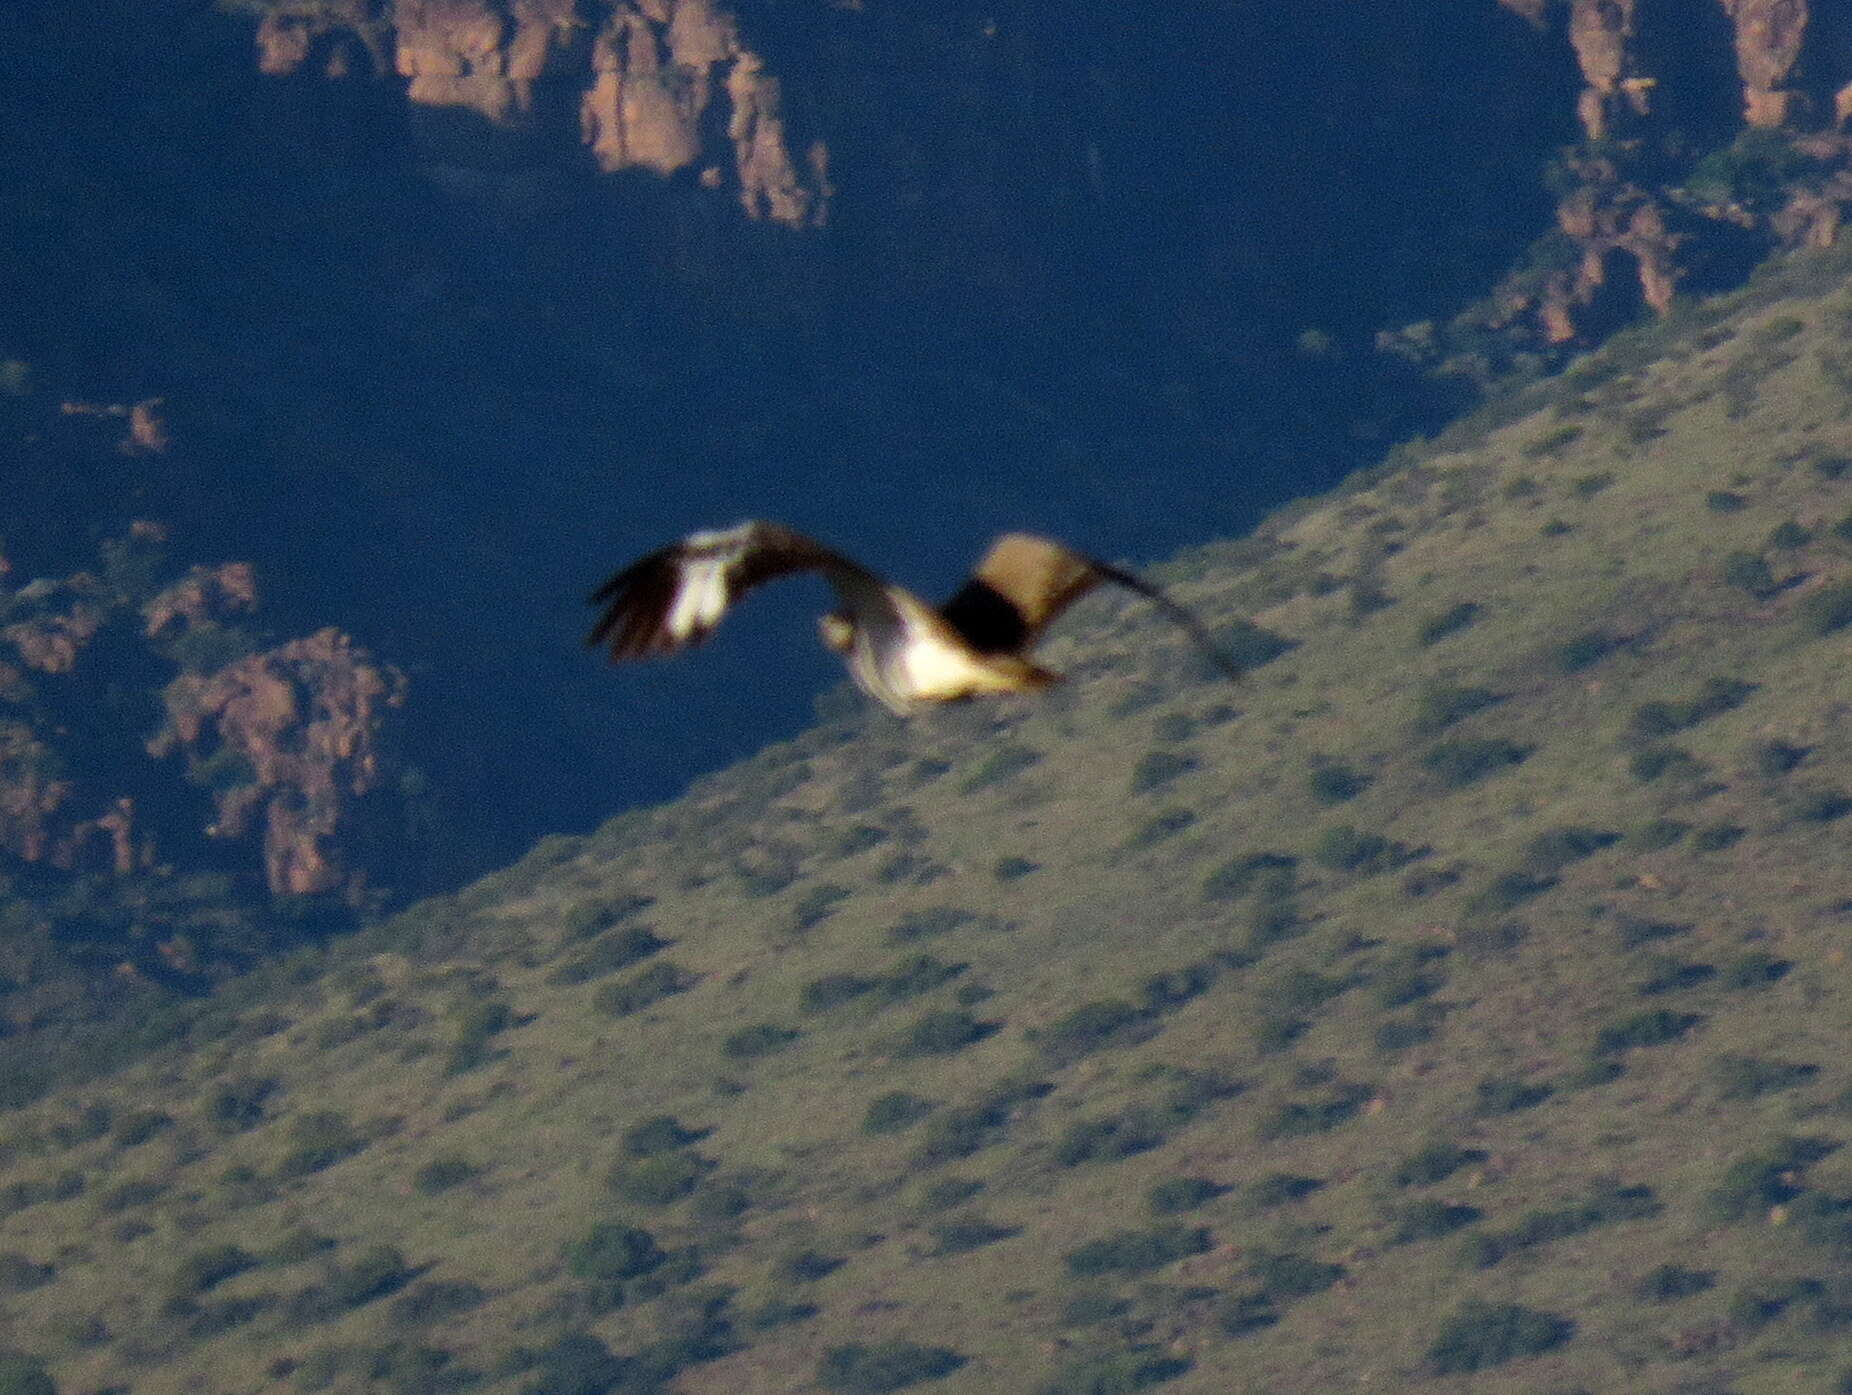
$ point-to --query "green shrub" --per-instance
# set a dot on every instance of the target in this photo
(1725, 501)
(1158, 768)
(1607, 1204)
(941, 1033)
(610, 954)
(321, 1139)
(1428, 1219)
(380, 1270)
(960, 1132)
(910, 978)
(762, 1039)
(1661, 759)
(817, 904)
(1755, 969)
(437, 1301)
(1111, 1138)
(643, 990)
(1442, 704)
(1280, 1188)
(1753, 1184)
(590, 918)
(1319, 1114)
(929, 923)
(1333, 782)
(805, 1267)
(21, 1275)
(972, 1233)
(22, 1375)
(1748, 572)
(1116, 1373)
(1554, 849)
(1671, 975)
(1585, 650)
(1093, 1027)
(581, 1364)
(1823, 805)
(659, 1180)
(1636, 931)
(1344, 848)
(1249, 645)
(1138, 1251)
(1175, 1195)
(1237, 877)
(1286, 1276)
(1659, 834)
(894, 1111)
(1462, 763)
(660, 1133)
(1589, 485)
(206, 1269)
(476, 1024)
(1400, 1033)
(1407, 976)
(1788, 535)
(1654, 1027)
(1750, 1077)
(833, 990)
(133, 1130)
(1167, 823)
(1827, 610)
(1171, 989)
(1480, 1335)
(1003, 762)
(873, 1370)
(948, 1192)
(1771, 759)
(1009, 869)
(1670, 1282)
(239, 1104)
(610, 1252)
(1450, 621)
(1506, 1095)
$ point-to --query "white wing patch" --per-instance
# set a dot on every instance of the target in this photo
(700, 596)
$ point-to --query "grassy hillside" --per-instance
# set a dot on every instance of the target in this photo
(1460, 1002)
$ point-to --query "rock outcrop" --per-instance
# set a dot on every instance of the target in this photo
(649, 81)
(1787, 182)
(302, 721)
(286, 740)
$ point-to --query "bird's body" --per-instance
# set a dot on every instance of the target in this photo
(898, 649)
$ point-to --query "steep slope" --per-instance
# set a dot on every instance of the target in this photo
(1457, 1003)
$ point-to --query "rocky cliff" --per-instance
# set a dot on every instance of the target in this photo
(149, 731)
(653, 84)
(1659, 187)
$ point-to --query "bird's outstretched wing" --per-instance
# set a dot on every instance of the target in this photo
(1024, 582)
(676, 596)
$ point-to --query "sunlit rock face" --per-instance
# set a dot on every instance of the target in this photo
(286, 741)
(304, 718)
(1790, 191)
(654, 81)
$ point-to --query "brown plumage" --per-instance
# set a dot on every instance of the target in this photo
(899, 650)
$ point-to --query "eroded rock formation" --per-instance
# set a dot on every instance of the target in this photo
(1788, 181)
(304, 721)
(650, 76)
(286, 740)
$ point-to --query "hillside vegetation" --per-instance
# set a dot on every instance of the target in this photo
(1458, 1002)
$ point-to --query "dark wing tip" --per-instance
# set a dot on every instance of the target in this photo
(636, 600)
(1184, 618)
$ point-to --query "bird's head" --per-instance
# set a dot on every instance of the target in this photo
(838, 631)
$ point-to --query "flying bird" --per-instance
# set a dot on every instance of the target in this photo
(899, 650)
